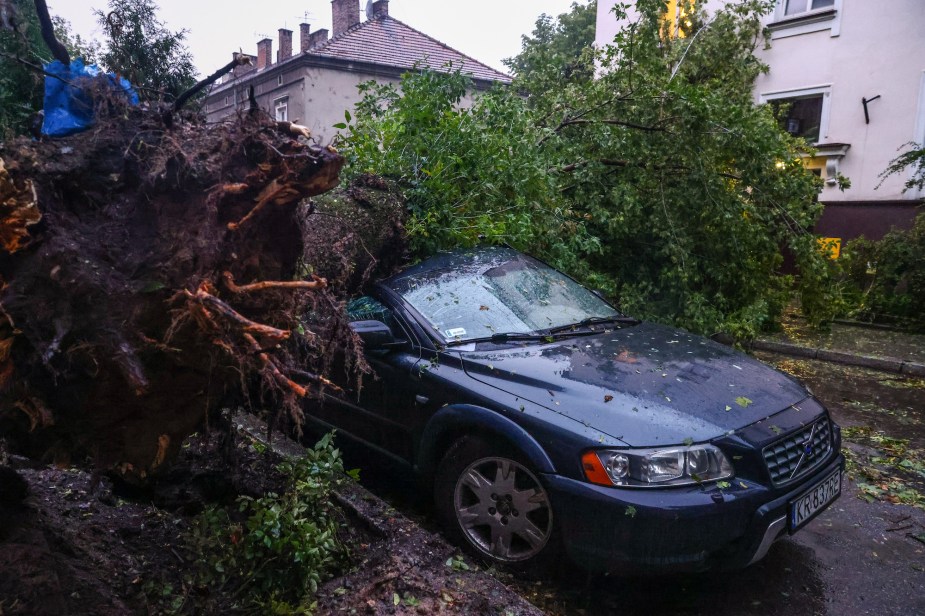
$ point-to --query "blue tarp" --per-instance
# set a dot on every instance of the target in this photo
(68, 107)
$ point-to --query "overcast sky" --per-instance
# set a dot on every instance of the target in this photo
(487, 30)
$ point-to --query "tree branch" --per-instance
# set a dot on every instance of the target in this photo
(239, 60)
(577, 121)
(48, 34)
(610, 162)
(36, 68)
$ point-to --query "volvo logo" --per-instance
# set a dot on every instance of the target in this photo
(807, 450)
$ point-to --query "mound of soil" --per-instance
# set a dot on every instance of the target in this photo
(78, 544)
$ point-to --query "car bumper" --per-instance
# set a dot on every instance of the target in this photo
(680, 529)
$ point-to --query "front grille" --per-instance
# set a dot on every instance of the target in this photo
(798, 452)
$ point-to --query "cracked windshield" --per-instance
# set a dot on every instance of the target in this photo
(502, 292)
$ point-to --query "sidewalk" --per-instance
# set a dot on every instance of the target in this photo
(850, 345)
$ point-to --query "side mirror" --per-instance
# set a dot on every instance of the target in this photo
(375, 335)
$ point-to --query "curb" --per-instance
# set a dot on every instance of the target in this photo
(884, 364)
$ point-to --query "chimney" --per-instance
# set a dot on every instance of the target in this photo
(264, 54)
(304, 37)
(318, 38)
(285, 44)
(346, 14)
(380, 9)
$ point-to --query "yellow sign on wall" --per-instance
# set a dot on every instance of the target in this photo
(830, 246)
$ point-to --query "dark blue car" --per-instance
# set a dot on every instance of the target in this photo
(546, 420)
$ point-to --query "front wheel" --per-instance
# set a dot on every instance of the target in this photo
(494, 503)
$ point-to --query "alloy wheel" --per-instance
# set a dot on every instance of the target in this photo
(503, 509)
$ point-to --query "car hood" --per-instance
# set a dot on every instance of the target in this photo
(647, 385)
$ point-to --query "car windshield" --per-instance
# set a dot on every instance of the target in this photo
(474, 295)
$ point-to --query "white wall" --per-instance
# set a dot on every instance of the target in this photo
(318, 97)
(869, 48)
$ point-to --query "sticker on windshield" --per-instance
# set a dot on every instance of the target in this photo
(456, 332)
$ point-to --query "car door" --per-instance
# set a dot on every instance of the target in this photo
(380, 413)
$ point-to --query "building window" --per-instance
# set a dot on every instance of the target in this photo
(804, 112)
(279, 79)
(796, 17)
(281, 109)
(795, 7)
(801, 117)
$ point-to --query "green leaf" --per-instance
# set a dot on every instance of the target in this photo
(630, 511)
(340, 125)
(688, 441)
(743, 401)
(151, 286)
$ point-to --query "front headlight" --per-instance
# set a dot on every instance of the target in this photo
(643, 468)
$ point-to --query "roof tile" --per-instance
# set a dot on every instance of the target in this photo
(388, 41)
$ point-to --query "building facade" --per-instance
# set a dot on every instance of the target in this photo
(851, 75)
(318, 83)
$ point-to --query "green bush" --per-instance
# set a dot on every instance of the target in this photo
(271, 553)
(888, 276)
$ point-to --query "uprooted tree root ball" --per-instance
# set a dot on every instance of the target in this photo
(150, 274)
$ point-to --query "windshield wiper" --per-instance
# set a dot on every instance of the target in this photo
(501, 338)
(619, 319)
(562, 331)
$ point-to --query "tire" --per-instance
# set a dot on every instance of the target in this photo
(491, 502)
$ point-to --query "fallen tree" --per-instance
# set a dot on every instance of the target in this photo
(152, 270)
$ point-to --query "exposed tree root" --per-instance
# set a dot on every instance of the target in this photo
(122, 327)
(307, 285)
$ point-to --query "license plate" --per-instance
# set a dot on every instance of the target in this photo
(814, 500)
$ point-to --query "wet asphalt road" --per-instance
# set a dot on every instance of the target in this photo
(856, 558)
(847, 561)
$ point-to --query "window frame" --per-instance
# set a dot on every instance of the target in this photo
(832, 153)
(825, 90)
(807, 21)
(281, 103)
(809, 7)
